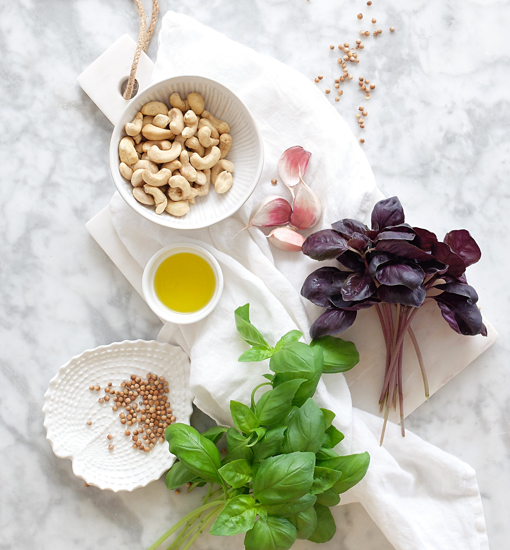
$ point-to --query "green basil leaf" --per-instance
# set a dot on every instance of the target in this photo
(196, 452)
(324, 479)
(238, 516)
(238, 445)
(270, 444)
(353, 468)
(271, 534)
(328, 498)
(292, 507)
(237, 473)
(214, 434)
(255, 391)
(306, 428)
(259, 433)
(332, 437)
(256, 354)
(326, 527)
(305, 523)
(325, 454)
(247, 331)
(295, 357)
(329, 416)
(339, 355)
(275, 404)
(179, 475)
(284, 477)
(243, 417)
(268, 377)
(291, 336)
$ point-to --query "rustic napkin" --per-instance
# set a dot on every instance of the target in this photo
(420, 497)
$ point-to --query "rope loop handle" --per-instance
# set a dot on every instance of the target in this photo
(144, 39)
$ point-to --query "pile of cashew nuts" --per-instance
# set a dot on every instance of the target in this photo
(172, 156)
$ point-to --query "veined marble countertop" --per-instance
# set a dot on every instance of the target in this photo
(437, 135)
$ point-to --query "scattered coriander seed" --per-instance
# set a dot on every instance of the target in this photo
(346, 58)
(337, 99)
(223, 451)
(337, 80)
(89, 422)
(379, 31)
(86, 484)
(340, 92)
(360, 79)
(369, 3)
(346, 50)
(358, 116)
(364, 88)
(188, 484)
(97, 388)
(365, 113)
(338, 85)
(361, 33)
(110, 447)
(127, 432)
(346, 45)
(361, 108)
(351, 59)
(332, 47)
(360, 16)
(177, 492)
(367, 33)
(107, 398)
(101, 400)
(109, 436)
(392, 29)
(327, 90)
(367, 81)
(339, 61)
(350, 77)
(361, 125)
(374, 20)
(372, 86)
(344, 65)
(320, 77)
(362, 46)
(274, 181)
(358, 41)
(342, 79)
(317, 80)
(375, 33)
(362, 140)
(91, 388)
(115, 408)
(367, 96)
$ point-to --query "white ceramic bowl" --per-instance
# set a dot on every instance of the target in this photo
(149, 293)
(69, 404)
(247, 152)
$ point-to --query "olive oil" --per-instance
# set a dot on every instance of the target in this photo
(184, 282)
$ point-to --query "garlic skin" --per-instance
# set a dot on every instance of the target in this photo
(292, 166)
(306, 209)
(286, 238)
(273, 210)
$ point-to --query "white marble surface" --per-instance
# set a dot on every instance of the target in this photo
(436, 135)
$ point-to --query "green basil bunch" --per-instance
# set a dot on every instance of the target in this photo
(281, 474)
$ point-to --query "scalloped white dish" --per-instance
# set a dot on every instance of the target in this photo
(69, 404)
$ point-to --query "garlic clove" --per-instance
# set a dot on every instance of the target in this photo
(286, 238)
(273, 210)
(306, 209)
(292, 165)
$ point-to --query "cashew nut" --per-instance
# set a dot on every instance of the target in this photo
(204, 136)
(153, 132)
(204, 122)
(147, 120)
(174, 165)
(176, 121)
(159, 198)
(159, 156)
(192, 195)
(223, 182)
(145, 156)
(141, 164)
(200, 163)
(157, 180)
(162, 144)
(161, 121)
(191, 122)
(220, 166)
(204, 189)
(135, 127)
(175, 194)
(178, 209)
(127, 151)
(182, 183)
(138, 138)
(186, 169)
(225, 144)
(125, 170)
(180, 139)
(196, 102)
(139, 148)
(137, 179)
(194, 144)
(154, 108)
(201, 178)
(220, 125)
(178, 103)
(141, 196)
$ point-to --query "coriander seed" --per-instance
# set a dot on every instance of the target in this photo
(362, 140)
(392, 29)
(374, 20)
(110, 447)
(360, 16)
(327, 91)
(274, 181)
(332, 47)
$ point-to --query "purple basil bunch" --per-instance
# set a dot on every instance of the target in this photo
(391, 263)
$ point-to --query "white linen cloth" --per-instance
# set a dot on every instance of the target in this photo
(419, 496)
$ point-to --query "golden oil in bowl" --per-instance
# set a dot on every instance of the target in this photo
(185, 282)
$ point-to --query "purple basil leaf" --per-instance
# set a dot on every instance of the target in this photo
(387, 212)
(348, 227)
(461, 242)
(483, 332)
(404, 227)
(409, 275)
(403, 249)
(339, 302)
(431, 267)
(425, 239)
(372, 234)
(324, 245)
(321, 284)
(445, 254)
(450, 279)
(352, 261)
(402, 295)
(395, 235)
(378, 258)
(459, 289)
(332, 322)
(461, 314)
(358, 241)
(358, 286)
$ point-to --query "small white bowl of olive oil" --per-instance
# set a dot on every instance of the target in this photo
(182, 283)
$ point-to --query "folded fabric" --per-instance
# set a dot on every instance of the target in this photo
(420, 497)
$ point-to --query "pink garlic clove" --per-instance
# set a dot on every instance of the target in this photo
(307, 208)
(292, 166)
(273, 210)
(286, 238)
